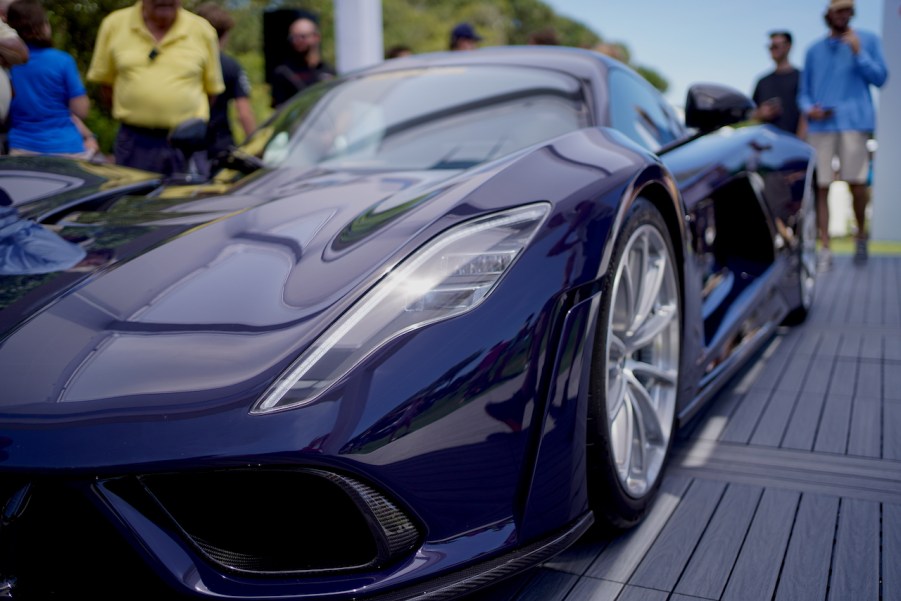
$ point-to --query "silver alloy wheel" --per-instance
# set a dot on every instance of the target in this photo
(643, 348)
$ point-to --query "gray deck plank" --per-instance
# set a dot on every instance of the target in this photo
(808, 344)
(844, 377)
(891, 426)
(828, 348)
(622, 555)
(544, 585)
(594, 589)
(850, 344)
(869, 380)
(873, 301)
(715, 419)
(871, 349)
(771, 427)
(802, 427)
(806, 569)
(892, 348)
(757, 568)
(891, 381)
(856, 308)
(819, 372)
(891, 551)
(832, 436)
(855, 560)
(708, 570)
(792, 379)
(891, 276)
(743, 422)
(635, 593)
(865, 438)
(577, 558)
(665, 560)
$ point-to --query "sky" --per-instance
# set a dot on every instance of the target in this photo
(718, 41)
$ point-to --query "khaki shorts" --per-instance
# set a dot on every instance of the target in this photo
(851, 149)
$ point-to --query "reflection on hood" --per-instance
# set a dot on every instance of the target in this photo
(27, 247)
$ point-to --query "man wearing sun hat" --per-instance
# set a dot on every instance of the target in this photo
(835, 97)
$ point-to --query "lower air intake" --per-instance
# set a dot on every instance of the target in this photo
(284, 521)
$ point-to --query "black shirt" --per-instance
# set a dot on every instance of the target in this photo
(784, 86)
(237, 85)
(295, 75)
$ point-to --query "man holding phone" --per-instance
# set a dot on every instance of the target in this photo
(776, 94)
(835, 97)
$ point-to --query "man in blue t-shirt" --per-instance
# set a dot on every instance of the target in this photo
(835, 97)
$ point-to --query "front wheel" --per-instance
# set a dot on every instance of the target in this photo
(635, 370)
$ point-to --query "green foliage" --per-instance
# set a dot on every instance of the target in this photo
(423, 25)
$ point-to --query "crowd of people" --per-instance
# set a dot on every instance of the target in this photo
(829, 103)
(159, 65)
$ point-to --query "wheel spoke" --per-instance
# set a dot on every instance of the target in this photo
(665, 376)
(621, 435)
(639, 456)
(616, 385)
(650, 285)
(645, 410)
(652, 327)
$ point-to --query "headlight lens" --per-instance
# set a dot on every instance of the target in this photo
(450, 275)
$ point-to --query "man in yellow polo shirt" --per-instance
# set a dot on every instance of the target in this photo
(158, 66)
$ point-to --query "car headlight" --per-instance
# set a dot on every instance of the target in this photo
(450, 275)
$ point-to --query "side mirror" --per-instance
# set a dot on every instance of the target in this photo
(189, 136)
(712, 106)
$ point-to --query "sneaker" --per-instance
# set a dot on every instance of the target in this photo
(860, 252)
(824, 260)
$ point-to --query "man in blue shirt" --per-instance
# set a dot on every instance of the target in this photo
(835, 97)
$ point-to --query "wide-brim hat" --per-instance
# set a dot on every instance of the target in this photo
(840, 4)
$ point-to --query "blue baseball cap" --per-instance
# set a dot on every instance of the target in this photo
(465, 31)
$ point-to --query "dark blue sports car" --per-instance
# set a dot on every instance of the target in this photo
(432, 321)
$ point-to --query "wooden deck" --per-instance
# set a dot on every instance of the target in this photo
(788, 487)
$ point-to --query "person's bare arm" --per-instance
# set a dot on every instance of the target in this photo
(80, 106)
(802, 127)
(245, 115)
(13, 51)
(90, 140)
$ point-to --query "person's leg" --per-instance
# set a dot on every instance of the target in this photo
(855, 167)
(824, 144)
(860, 194)
(823, 215)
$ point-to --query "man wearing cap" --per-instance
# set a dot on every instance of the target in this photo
(835, 97)
(464, 37)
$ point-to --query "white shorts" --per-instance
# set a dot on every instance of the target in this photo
(853, 158)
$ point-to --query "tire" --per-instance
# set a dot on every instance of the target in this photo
(635, 371)
(806, 264)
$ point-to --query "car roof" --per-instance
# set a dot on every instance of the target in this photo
(580, 62)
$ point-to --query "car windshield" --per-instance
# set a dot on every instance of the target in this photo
(435, 118)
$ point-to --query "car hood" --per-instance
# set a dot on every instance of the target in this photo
(191, 296)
